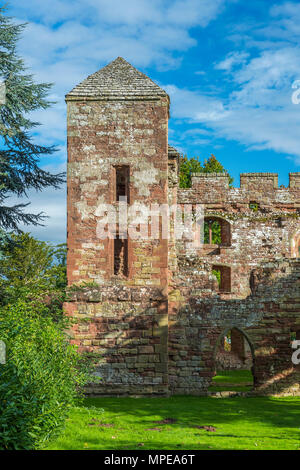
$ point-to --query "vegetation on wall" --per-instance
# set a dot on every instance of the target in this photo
(188, 166)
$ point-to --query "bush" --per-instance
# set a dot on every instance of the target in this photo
(40, 381)
(35, 271)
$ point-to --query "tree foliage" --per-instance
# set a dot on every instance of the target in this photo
(187, 166)
(19, 152)
(34, 271)
(215, 228)
(43, 373)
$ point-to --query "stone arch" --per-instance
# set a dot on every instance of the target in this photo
(224, 332)
(295, 245)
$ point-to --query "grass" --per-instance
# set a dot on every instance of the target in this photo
(130, 424)
(230, 388)
(232, 380)
(233, 377)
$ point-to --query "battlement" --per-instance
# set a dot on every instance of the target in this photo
(259, 181)
(259, 187)
(294, 181)
(214, 184)
(247, 180)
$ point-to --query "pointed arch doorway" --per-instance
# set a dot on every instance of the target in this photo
(233, 362)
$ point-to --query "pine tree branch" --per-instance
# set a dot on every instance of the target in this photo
(19, 156)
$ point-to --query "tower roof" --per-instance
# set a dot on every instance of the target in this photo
(118, 79)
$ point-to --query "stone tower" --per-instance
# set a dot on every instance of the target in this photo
(118, 147)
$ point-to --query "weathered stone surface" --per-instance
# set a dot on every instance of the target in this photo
(157, 326)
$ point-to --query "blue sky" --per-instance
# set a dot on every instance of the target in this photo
(228, 66)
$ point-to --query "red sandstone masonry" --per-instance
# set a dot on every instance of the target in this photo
(157, 327)
(258, 238)
(126, 321)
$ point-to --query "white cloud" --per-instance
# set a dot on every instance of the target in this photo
(232, 59)
(258, 111)
(269, 129)
(131, 12)
(194, 12)
(194, 106)
(288, 18)
(66, 40)
(136, 13)
(52, 203)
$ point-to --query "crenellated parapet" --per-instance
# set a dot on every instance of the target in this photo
(294, 181)
(257, 188)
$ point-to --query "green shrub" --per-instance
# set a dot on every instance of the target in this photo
(40, 381)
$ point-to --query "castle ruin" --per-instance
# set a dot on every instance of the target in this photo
(153, 309)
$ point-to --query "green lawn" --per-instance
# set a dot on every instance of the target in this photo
(232, 380)
(137, 423)
(233, 376)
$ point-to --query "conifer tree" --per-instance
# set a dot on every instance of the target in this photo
(20, 155)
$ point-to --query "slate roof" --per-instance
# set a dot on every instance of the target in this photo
(118, 79)
(172, 152)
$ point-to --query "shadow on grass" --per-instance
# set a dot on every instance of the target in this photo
(279, 412)
(131, 424)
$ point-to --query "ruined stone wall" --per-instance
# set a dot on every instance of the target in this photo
(257, 235)
(199, 314)
(267, 318)
(152, 309)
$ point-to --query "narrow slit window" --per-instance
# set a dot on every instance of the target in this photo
(121, 182)
(120, 257)
(120, 247)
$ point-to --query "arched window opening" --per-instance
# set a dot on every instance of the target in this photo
(216, 231)
(233, 363)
